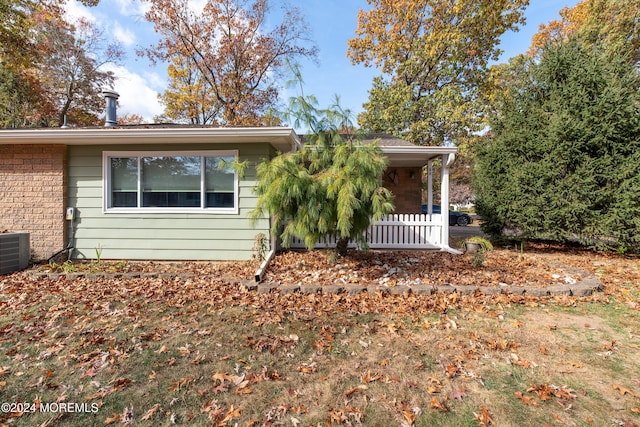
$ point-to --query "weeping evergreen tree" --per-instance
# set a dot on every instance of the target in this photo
(331, 186)
(562, 159)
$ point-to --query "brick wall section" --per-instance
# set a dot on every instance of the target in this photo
(33, 194)
(406, 185)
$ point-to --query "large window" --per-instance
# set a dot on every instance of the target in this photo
(171, 181)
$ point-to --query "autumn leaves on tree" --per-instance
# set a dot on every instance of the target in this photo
(224, 62)
(34, 93)
(433, 55)
(614, 24)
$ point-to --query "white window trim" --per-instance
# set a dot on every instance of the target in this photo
(106, 182)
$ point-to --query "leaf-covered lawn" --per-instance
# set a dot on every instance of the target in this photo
(198, 349)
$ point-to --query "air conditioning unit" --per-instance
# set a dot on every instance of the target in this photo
(14, 252)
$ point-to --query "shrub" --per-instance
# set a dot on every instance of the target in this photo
(561, 160)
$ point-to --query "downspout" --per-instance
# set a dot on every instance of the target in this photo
(263, 267)
(259, 276)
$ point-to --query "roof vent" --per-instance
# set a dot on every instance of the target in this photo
(112, 98)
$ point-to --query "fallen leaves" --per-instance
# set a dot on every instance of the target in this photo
(240, 383)
(347, 415)
(272, 343)
(308, 368)
(126, 418)
(436, 403)
(409, 414)
(219, 414)
(484, 417)
(458, 393)
(222, 377)
(526, 399)
(452, 370)
(434, 385)
(151, 412)
(114, 386)
(405, 268)
(368, 377)
(354, 390)
(181, 384)
(625, 391)
(210, 351)
(545, 392)
(113, 419)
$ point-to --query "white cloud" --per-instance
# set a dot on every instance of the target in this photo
(74, 11)
(132, 7)
(156, 80)
(136, 95)
(123, 35)
(197, 6)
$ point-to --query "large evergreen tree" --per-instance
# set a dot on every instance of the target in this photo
(562, 156)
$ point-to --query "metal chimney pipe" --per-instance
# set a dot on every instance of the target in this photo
(112, 98)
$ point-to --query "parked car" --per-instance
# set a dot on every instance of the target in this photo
(455, 218)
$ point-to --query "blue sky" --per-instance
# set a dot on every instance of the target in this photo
(332, 23)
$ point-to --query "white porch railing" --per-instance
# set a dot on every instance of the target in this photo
(396, 231)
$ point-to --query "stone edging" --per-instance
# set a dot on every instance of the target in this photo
(131, 275)
(585, 287)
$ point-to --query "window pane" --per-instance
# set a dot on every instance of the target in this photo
(171, 181)
(171, 199)
(124, 182)
(219, 182)
(220, 200)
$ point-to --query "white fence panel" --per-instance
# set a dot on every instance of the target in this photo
(396, 231)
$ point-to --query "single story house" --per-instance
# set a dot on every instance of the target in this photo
(159, 192)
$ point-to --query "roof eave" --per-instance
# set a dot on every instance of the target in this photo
(415, 156)
(283, 139)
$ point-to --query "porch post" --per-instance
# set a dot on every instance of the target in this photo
(430, 187)
(447, 160)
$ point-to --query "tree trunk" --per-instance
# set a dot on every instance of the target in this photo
(342, 245)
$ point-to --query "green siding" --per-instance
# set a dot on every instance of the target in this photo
(160, 236)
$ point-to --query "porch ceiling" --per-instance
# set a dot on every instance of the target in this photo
(415, 156)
